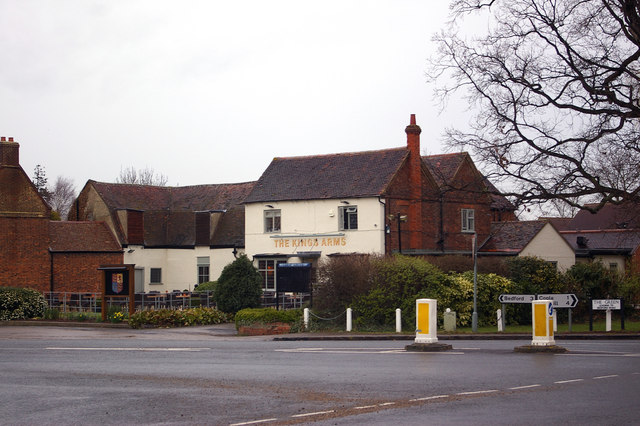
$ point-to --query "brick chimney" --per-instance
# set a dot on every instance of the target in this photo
(9, 152)
(415, 180)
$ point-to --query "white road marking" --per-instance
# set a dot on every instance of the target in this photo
(359, 351)
(130, 349)
(568, 381)
(317, 413)
(364, 407)
(478, 392)
(524, 387)
(386, 404)
(427, 398)
(605, 377)
(253, 422)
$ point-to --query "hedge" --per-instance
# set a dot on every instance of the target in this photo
(20, 303)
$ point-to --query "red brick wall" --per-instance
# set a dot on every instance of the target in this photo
(24, 253)
(78, 272)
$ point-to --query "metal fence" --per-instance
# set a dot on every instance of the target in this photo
(92, 302)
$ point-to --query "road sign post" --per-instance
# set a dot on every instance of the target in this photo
(607, 305)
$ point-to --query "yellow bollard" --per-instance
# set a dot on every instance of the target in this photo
(427, 328)
(542, 320)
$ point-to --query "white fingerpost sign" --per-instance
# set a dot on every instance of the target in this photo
(426, 321)
(542, 320)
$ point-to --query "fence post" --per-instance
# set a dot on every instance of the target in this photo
(398, 321)
(349, 322)
(306, 318)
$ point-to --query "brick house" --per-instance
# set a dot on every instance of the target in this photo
(304, 208)
(177, 237)
(39, 253)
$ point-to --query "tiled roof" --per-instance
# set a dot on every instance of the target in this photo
(185, 198)
(611, 216)
(613, 240)
(443, 168)
(511, 236)
(169, 212)
(82, 237)
(358, 174)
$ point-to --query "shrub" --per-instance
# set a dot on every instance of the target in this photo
(177, 317)
(20, 303)
(592, 280)
(239, 286)
(250, 316)
(208, 286)
(341, 280)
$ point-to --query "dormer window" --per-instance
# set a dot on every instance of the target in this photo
(348, 218)
(272, 221)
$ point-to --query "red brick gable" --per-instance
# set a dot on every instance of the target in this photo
(82, 237)
(18, 196)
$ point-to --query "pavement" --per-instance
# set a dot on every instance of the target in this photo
(229, 329)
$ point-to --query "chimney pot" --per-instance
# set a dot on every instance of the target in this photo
(3, 139)
(10, 138)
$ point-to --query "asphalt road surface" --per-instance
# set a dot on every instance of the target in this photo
(55, 375)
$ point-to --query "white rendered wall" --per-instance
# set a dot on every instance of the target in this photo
(549, 245)
(314, 226)
(179, 266)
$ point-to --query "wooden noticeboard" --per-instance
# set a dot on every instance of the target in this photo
(118, 281)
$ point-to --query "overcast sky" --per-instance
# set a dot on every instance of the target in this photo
(210, 91)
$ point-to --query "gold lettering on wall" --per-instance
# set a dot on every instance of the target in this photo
(310, 242)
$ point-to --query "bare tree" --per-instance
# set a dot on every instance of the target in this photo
(146, 176)
(62, 196)
(555, 87)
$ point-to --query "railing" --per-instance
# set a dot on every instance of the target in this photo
(92, 302)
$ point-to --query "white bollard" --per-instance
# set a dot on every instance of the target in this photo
(398, 321)
(608, 320)
(349, 323)
(542, 320)
(555, 320)
(306, 318)
(499, 315)
(426, 321)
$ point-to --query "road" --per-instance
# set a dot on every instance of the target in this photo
(55, 375)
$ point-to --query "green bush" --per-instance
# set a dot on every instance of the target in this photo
(20, 303)
(239, 286)
(341, 280)
(251, 316)
(178, 317)
(204, 287)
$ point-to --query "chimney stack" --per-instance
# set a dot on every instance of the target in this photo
(415, 180)
(9, 152)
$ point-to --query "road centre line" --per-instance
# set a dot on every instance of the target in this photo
(559, 382)
(525, 387)
(129, 349)
(427, 398)
(254, 422)
(317, 413)
(478, 392)
(605, 377)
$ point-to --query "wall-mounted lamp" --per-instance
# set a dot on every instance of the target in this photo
(344, 202)
(131, 250)
(269, 205)
(235, 252)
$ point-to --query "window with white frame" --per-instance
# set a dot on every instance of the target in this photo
(468, 220)
(272, 220)
(155, 275)
(267, 268)
(203, 269)
(348, 217)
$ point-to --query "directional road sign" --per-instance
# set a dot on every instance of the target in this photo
(560, 300)
(516, 298)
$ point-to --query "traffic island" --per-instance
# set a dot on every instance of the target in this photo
(537, 349)
(428, 347)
